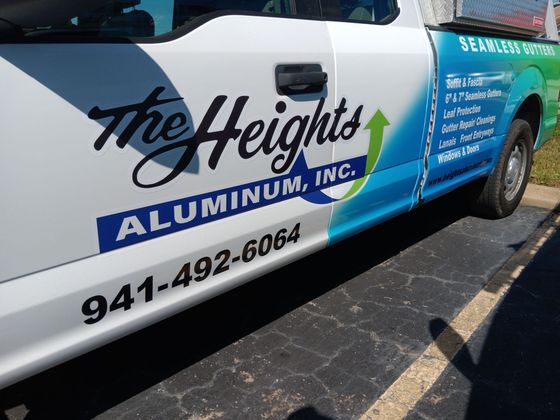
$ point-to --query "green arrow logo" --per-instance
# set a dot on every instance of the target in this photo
(376, 127)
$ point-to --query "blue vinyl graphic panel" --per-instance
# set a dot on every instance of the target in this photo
(392, 188)
(482, 81)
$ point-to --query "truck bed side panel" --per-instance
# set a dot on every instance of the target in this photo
(482, 82)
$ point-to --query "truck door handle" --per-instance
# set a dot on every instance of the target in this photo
(297, 79)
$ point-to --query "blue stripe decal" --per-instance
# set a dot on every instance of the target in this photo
(138, 225)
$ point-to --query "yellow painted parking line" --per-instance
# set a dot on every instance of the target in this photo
(413, 384)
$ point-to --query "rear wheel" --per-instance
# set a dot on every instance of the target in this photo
(499, 195)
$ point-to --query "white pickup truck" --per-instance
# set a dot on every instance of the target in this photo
(156, 153)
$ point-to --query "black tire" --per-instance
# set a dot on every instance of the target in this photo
(499, 195)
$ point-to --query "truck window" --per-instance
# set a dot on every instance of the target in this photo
(187, 10)
(151, 18)
(139, 18)
(358, 10)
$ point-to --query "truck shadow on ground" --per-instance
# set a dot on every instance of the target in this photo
(93, 383)
(518, 370)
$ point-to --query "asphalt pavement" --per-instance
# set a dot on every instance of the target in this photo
(510, 368)
(325, 337)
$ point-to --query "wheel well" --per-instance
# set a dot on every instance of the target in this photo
(531, 111)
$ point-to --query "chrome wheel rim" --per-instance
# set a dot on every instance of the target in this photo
(515, 171)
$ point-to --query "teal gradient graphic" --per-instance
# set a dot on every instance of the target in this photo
(503, 74)
(493, 77)
(391, 188)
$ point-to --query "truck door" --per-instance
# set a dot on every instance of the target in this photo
(384, 66)
(121, 141)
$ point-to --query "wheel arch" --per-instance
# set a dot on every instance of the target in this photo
(526, 101)
(531, 110)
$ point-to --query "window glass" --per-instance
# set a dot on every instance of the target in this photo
(149, 18)
(187, 10)
(162, 13)
(306, 7)
(358, 10)
(133, 18)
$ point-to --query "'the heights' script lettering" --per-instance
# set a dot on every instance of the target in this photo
(284, 140)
